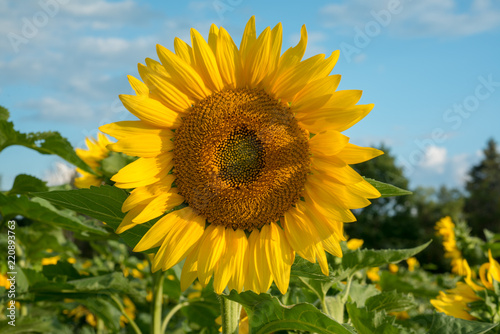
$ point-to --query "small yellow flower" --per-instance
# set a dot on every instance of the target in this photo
(454, 301)
(373, 274)
(130, 309)
(50, 260)
(96, 152)
(446, 229)
(4, 282)
(393, 268)
(412, 263)
(81, 311)
(354, 244)
(71, 260)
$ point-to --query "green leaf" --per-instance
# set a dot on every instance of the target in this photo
(445, 324)
(103, 203)
(42, 211)
(61, 268)
(266, 314)
(24, 184)
(43, 142)
(114, 282)
(387, 190)
(417, 284)
(4, 114)
(368, 322)
(390, 302)
(366, 258)
(27, 325)
(114, 162)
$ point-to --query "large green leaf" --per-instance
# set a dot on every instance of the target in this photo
(24, 184)
(390, 301)
(103, 203)
(387, 190)
(266, 314)
(42, 211)
(370, 322)
(27, 325)
(43, 142)
(366, 258)
(444, 324)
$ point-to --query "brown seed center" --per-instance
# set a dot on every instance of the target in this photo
(240, 158)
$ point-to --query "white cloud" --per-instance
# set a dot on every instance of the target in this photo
(444, 18)
(434, 158)
(59, 174)
(460, 165)
(49, 108)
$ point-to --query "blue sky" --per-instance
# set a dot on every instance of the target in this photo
(431, 67)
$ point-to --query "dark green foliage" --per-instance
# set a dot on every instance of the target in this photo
(482, 206)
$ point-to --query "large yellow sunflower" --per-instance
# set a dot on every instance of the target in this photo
(228, 133)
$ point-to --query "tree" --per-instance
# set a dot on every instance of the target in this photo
(387, 222)
(482, 206)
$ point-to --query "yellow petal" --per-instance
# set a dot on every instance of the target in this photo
(205, 62)
(326, 202)
(181, 241)
(138, 86)
(262, 269)
(494, 267)
(228, 60)
(190, 267)
(167, 93)
(239, 251)
(146, 193)
(279, 255)
(143, 171)
(125, 129)
(226, 266)
(256, 65)
(146, 145)
(183, 75)
(293, 55)
(248, 39)
(151, 111)
(298, 76)
(213, 246)
(157, 233)
(157, 68)
(315, 94)
(184, 51)
(339, 119)
(212, 37)
(252, 279)
(274, 54)
(328, 143)
(335, 170)
(299, 234)
(127, 222)
(160, 204)
(353, 154)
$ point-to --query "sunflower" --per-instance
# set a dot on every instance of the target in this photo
(455, 302)
(446, 229)
(96, 152)
(241, 148)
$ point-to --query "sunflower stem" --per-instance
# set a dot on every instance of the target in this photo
(230, 315)
(171, 314)
(347, 289)
(125, 314)
(157, 302)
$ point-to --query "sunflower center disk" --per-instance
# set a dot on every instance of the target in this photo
(240, 158)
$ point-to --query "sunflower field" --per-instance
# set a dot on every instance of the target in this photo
(222, 208)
